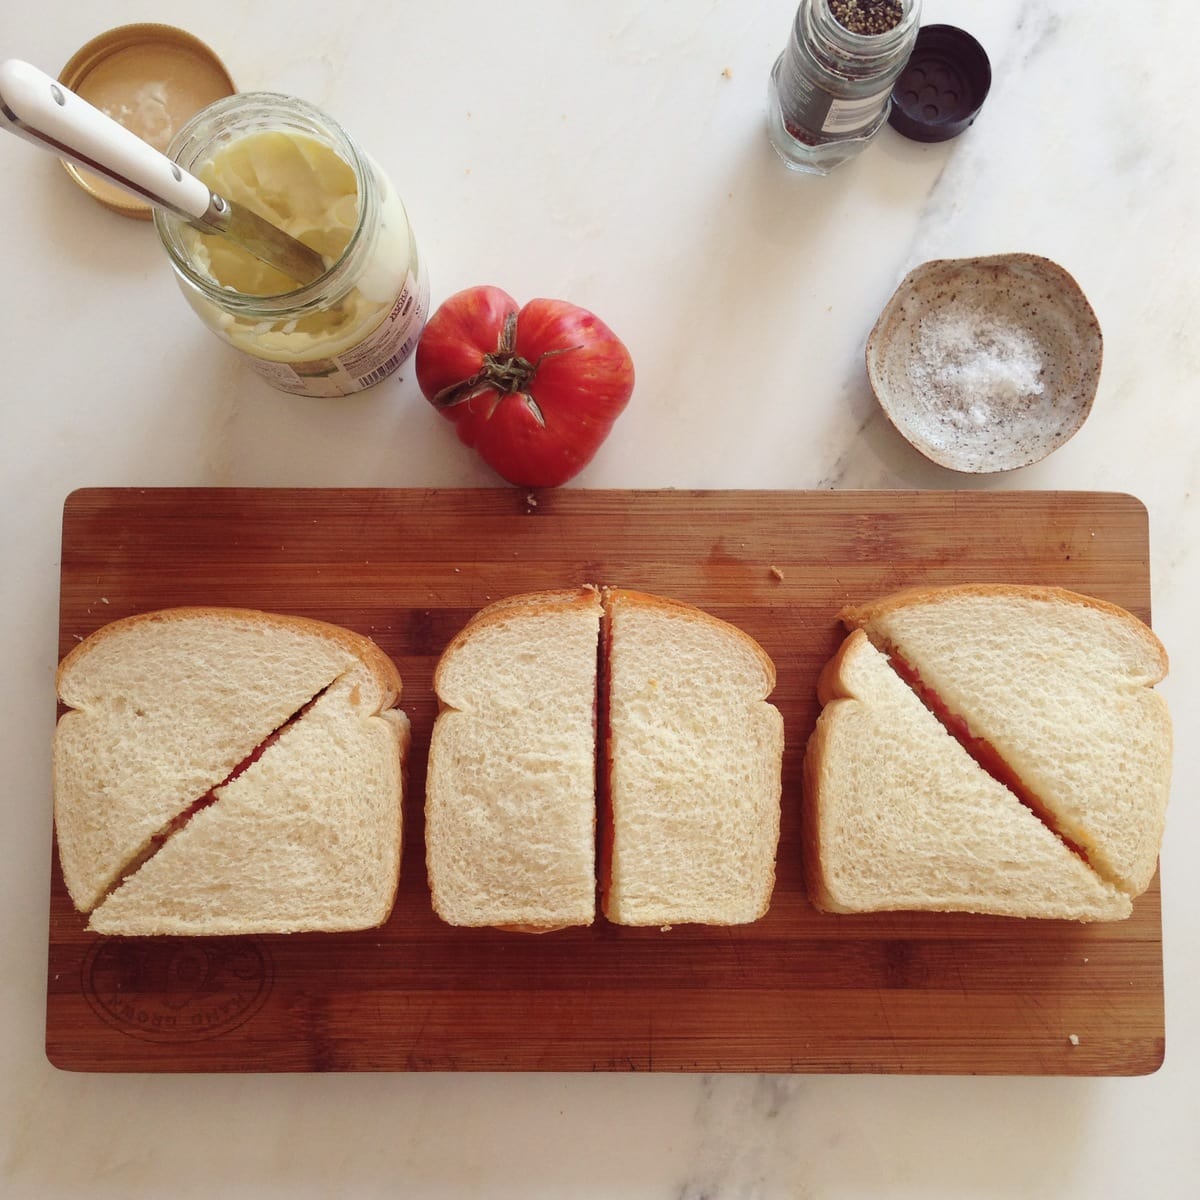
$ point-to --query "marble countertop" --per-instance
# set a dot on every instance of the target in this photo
(614, 154)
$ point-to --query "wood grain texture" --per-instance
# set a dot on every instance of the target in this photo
(797, 991)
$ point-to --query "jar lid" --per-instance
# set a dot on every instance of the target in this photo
(943, 86)
(151, 79)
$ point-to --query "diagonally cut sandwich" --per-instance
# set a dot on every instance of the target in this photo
(1059, 688)
(307, 837)
(510, 802)
(693, 764)
(229, 771)
(899, 816)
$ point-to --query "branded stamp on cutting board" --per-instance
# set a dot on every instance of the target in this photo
(177, 989)
(796, 991)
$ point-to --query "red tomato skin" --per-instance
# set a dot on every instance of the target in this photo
(580, 379)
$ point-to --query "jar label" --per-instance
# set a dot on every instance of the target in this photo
(373, 359)
(849, 116)
(808, 107)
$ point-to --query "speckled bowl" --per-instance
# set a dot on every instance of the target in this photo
(986, 364)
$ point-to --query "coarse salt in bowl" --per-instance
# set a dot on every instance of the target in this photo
(986, 364)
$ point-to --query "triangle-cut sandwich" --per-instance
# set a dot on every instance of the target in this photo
(225, 771)
(1061, 687)
(1047, 692)
(899, 816)
(693, 766)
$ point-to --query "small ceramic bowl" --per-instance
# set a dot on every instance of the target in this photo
(986, 364)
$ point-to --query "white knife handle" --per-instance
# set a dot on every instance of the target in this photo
(42, 111)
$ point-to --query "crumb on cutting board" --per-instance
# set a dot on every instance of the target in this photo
(776, 573)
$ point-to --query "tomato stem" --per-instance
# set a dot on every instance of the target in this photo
(503, 371)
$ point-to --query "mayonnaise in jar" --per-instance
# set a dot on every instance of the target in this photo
(293, 165)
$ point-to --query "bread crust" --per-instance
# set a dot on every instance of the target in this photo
(855, 616)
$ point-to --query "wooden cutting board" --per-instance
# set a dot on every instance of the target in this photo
(797, 991)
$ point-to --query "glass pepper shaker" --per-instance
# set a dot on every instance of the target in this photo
(830, 90)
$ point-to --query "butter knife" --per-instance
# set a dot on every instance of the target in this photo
(42, 111)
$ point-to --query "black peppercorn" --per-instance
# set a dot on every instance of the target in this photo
(867, 17)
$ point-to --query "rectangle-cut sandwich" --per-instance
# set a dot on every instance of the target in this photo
(510, 797)
(690, 762)
(694, 760)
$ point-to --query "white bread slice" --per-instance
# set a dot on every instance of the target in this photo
(510, 800)
(164, 706)
(694, 760)
(306, 838)
(897, 815)
(1061, 686)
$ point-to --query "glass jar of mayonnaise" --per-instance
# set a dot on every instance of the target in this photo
(295, 166)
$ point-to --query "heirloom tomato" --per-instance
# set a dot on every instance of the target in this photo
(534, 390)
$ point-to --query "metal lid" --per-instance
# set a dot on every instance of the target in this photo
(942, 88)
(149, 78)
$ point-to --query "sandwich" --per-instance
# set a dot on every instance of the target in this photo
(899, 816)
(224, 771)
(947, 707)
(689, 760)
(510, 795)
(694, 755)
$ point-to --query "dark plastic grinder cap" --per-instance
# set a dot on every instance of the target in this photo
(943, 86)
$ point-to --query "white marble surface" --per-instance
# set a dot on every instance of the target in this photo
(612, 153)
